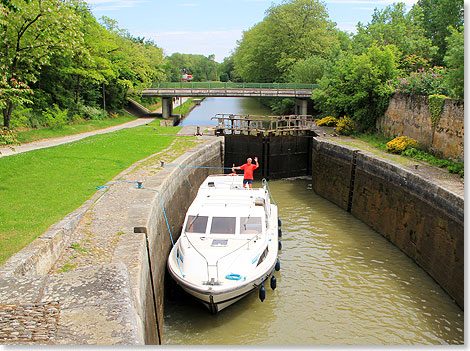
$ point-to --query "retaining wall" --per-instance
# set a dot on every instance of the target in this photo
(409, 116)
(150, 236)
(421, 218)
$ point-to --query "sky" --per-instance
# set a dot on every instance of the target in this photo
(206, 27)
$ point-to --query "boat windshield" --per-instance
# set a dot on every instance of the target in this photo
(223, 225)
(196, 224)
(250, 225)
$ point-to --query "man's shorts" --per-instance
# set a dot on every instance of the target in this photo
(249, 181)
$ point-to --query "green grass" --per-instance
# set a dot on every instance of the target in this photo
(184, 108)
(380, 142)
(38, 188)
(71, 129)
(376, 140)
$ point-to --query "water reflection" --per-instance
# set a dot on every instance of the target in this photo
(209, 107)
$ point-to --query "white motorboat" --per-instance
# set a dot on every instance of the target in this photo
(229, 243)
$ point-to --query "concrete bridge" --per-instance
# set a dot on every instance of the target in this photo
(168, 91)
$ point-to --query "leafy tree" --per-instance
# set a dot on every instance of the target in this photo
(227, 69)
(455, 61)
(292, 31)
(395, 26)
(33, 32)
(308, 71)
(438, 17)
(201, 67)
(357, 86)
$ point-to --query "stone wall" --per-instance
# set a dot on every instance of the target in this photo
(421, 218)
(410, 116)
(119, 302)
(177, 188)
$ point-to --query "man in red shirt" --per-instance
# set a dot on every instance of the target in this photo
(248, 169)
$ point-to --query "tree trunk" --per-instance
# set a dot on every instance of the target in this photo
(7, 115)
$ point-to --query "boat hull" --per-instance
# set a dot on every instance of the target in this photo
(216, 301)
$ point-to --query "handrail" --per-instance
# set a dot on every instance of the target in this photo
(230, 85)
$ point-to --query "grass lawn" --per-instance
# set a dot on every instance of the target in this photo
(38, 188)
(28, 136)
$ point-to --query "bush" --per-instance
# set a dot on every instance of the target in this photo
(55, 117)
(93, 113)
(328, 121)
(422, 82)
(345, 126)
(400, 144)
(8, 137)
(76, 119)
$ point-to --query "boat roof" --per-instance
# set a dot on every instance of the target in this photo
(223, 194)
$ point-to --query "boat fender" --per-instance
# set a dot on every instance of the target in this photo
(262, 293)
(273, 282)
(233, 276)
(277, 267)
(279, 232)
(279, 222)
(280, 245)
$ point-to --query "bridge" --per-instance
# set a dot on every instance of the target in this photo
(167, 91)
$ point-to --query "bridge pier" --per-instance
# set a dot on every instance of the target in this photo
(167, 107)
(301, 107)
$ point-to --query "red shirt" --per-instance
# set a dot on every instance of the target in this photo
(248, 169)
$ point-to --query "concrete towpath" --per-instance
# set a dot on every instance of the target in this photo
(44, 143)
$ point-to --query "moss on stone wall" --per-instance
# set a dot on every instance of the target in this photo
(436, 103)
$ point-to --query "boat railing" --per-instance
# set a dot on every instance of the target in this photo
(245, 244)
(204, 257)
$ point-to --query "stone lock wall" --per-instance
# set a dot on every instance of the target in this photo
(410, 116)
(175, 188)
(422, 219)
(119, 302)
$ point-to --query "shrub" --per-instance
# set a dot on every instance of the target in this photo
(328, 121)
(90, 112)
(400, 144)
(55, 117)
(422, 82)
(8, 137)
(452, 167)
(76, 119)
(345, 126)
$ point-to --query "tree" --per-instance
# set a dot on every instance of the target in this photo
(455, 61)
(438, 17)
(308, 71)
(292, 31)
(357, 86)
(395, 26)
(33, 32)
(201, 67)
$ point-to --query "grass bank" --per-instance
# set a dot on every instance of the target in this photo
(184, 108)
(38, 188)
(380, 142)
(27, 136)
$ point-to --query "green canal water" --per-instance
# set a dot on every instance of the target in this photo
(340, 283)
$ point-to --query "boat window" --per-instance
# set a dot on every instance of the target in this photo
(223, 225)
(250, 225)
(196, 224)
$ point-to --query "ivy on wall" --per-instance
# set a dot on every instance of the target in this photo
(436, 103)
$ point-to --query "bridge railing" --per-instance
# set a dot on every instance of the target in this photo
(223, 85)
